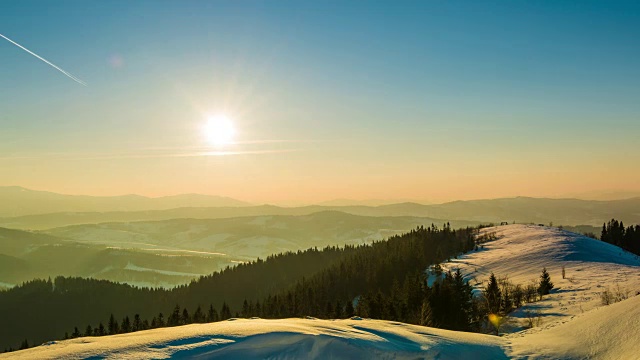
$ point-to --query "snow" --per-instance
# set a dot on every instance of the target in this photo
(611, 332)
(521, 252)
(279, 339)
(133, 267)
(574, 323)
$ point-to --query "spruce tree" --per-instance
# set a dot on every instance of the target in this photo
(126, 325)
(426, 317)
(212, 315)
(545, 283)
(337, 311)
(113, 325)
(185, 318)
(24, 345)
(137, 323)
(88, 331)
(174, 318)
(198, 315)
(348, 309)
(225, 312)
(492, 295)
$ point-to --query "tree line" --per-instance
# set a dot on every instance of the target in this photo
(614, 232)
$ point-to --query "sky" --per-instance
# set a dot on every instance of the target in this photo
(418, 100)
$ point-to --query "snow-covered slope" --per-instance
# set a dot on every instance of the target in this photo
(279, 339)
(574, 323)
(610, 332)
(521, 251)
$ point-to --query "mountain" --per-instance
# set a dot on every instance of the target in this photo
(368, 202)
(18, 201)
(569, 212)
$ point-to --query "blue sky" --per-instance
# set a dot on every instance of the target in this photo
(350, 92)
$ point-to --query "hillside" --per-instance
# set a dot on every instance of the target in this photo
(25, 255)
(248, 238)
(521, 252)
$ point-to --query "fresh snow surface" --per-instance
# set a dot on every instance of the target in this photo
(574, 324)
(610, 332)
(279, 339)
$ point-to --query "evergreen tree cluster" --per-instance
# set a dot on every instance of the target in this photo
(614, 232)
(501, 297)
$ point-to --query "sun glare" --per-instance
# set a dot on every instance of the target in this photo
(219, 130)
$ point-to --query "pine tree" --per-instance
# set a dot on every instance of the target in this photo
(126, 325)
(174, 318)
(76, 333)
(225, 312)
(348, 309)
(137, 323)
(212, 315)
(426, 317)
(492, 295)
(545, 283)
(185, 318)
(337, 311)
(198, 315)
(245, 309)
(88, 331)
(24, 345)
(113, 325)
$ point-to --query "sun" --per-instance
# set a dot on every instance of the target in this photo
(219, 130)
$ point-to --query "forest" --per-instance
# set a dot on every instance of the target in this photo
(614, 232)
(320, 283)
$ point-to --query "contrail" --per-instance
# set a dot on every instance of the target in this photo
(45, 60)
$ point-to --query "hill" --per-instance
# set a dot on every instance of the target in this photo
(520, 253)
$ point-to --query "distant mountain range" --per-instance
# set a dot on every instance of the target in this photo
(18, 201)
(26, 209)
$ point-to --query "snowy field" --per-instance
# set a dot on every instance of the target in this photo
(574, 324)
